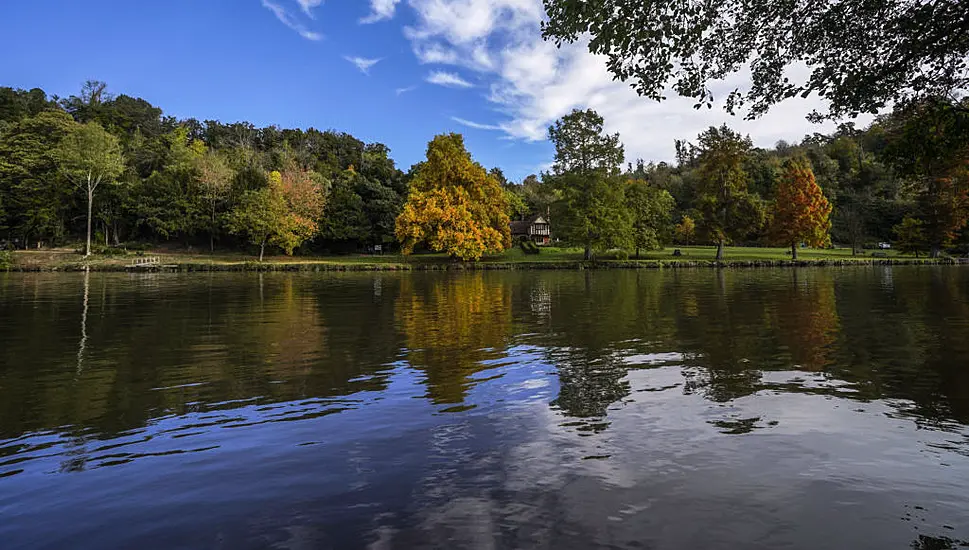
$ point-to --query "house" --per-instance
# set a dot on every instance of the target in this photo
(534, 228)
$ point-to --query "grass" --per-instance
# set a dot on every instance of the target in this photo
(550, 257)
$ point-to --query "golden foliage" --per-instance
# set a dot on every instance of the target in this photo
(454, 206)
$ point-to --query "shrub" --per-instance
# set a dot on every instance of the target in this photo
(529, 247)
(6, 260)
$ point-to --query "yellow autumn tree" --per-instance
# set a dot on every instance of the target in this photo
(454, 206)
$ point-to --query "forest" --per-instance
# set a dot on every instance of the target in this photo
(115, 173)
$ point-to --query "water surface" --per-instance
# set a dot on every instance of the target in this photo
(787, 408)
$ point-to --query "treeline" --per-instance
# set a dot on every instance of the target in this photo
(119, 170)
(154, 179)
(904, 180)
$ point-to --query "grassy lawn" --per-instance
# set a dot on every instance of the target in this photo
(69, 259)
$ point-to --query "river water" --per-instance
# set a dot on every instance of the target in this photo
(763, 408)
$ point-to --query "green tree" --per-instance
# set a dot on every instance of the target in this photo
(37, 198)
(345, 218)
(911, 48)
(727, 210)
(652, 215)
(592, 210)
(539, 195)
(910, 236)
(517, 207)
(88, 155)
(215, 186)
(454, 206)
(926, 143)
(281, 214)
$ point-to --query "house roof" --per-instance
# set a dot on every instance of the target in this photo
(520, 227)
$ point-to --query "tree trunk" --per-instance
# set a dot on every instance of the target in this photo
(720, 251)
(588, 253)
(935, 252)
(262, 248)
(793, 251)
(90, 208)
(212, 232)
(637, 252)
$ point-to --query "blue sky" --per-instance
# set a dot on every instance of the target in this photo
(393, 71)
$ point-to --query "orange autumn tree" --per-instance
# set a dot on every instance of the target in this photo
(802, 212)
(454, 206)
(283, 213)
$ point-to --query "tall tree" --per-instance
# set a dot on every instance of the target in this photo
(861, 54)
(38, 199)
(215, 186)
(87, 106)
(652, 215)
(928, 143)
(909, 236)
(592, 211)
(727, 210)
(454, 206)
(90, 156)
(801, 211)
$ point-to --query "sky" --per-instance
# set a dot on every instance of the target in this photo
(391, 71)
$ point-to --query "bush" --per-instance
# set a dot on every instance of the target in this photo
(6, 259)
(529, 247)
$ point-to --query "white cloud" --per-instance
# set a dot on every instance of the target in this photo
(476, 125)
(363, 63)
(380, 10)
(309, 5)
(451, 80)
(404, 90)
(533, 83)
(290, 21)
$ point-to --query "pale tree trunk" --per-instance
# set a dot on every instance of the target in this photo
(90, 208)
(262, 249)
(720, 251)
(793, 251)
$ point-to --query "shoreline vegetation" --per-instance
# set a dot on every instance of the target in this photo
(550, 258)
(116, 175)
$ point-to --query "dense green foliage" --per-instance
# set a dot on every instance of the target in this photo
(592, 208)
(181, 180)
(190, 184)
(860, 55)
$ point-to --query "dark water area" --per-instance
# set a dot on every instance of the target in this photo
(788, 408)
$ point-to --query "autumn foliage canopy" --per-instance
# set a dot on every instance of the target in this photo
(454, 206)
(802, 212)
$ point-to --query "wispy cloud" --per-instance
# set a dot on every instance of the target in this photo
(287, 18)
(308, 6)
(363, 63)
(400, 91)
(451, 80)
(476, 125)
(379, 10)
(532, 82)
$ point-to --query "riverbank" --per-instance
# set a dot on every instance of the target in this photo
(550, 258)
